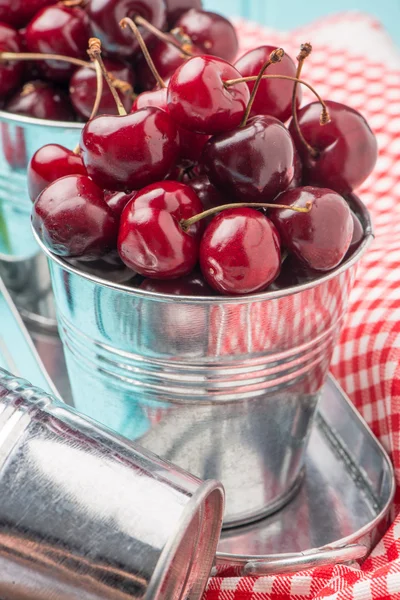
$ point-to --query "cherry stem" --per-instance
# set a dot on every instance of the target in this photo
(99, 91)
(324, 118)
(72, 3)
(187, 223)
(275, 57)
(4, 56)
(95, 54)
(305, 50)
(164, 37)
(127, 22)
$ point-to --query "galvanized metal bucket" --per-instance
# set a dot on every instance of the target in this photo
(22, 265)
(225, 387)
(86, 515)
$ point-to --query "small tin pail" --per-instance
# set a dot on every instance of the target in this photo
(22, 266)
(225, 387)
(86, 515)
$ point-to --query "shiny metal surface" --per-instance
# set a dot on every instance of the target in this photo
(21, 264)
(342, 509)
(87, 515)
(213, 384)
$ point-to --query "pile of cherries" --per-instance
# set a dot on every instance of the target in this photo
(205, 185)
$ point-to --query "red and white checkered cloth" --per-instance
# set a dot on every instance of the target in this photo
(354, 62)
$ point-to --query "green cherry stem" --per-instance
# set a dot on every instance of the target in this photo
(127, 22)
(187, 223)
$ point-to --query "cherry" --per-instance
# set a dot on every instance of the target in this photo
(117, 201)
(345, 150)
(198, 99)
(156, 98)
(175, 8)
(274, 96)
(298, 171)
(239, 253)
(253, 163)
(206, 192)
(58, 30)
(128, 152)
(82, 89)
(189, 285)
(321, 237)
(176, 198)
(11, 73)
(42, 101)
(210, 32)
(105, 16)
(49, 163)
(358, 234)
(19, 12)
(152, 243)
(72, 219)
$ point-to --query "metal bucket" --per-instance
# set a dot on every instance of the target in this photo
(225, 387)
(22, 266)
(85, 515)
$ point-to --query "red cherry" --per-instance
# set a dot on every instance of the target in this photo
(105, 16)
(274, 96)
(210, 32)
(156, 98)
(11, 73)
(49, 163)
(298, 171)
(253, 163)
(321, 237)
(19, 12)
(347, 148)
(358, 234)
(198, 99)
(239, 253)
(152, 243)
(129, 152)
(83, 87)
(189, 285)
(42, 101)
(58, 30)
(117, 201)
(207, 193)
(72, 219)
(175, 8)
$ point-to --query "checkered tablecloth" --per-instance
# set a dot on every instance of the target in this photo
(354, 62)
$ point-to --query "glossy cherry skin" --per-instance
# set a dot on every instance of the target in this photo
(127, 153)
(49, 163)
(156, 98)
(105, 16)
(358, 234)
(117, 201)
(207, 193)
(253, 163)
(59, 30)
(347, 147)
(190, 285)
(83, 88)
(175, 8)
(198, 99)
(41, 100)
(152, 243)
(321, 237)
(210, 32)
(239, 252)
(11, 73)
(72, 219)
(274, 96)
(19, 12)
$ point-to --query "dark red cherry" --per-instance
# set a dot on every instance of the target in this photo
(83, 87)
(198, 99)
(175, 8)
(156, 97)
(210, 32)
(12, 72)
(176, 198)
(152, 243)
(117, 201)
(105, 16)
(207, 192)
(298, 170)
(239, 253)
(59, 29)
(72, 219)
(347, 148)
(49, 163)
(321, 237)
(19, 12)
(189, 285)
(274, 96)
(129, 152)
(41, 100)
(253, 163)
(166, 59)
(358, 233)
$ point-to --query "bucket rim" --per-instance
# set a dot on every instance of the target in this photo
(23, 121)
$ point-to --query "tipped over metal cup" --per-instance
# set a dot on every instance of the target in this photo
(87, 515)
